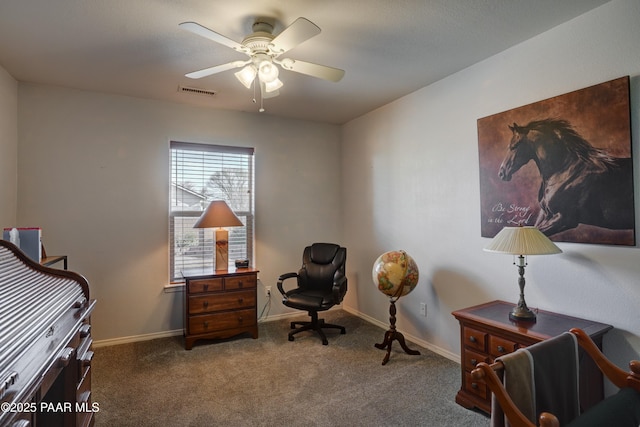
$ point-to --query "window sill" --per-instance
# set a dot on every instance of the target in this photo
(173, 287)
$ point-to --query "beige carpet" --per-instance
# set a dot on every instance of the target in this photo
(273, 382)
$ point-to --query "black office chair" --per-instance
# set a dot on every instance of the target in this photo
(321, 285)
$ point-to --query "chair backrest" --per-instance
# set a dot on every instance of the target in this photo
(322, 265)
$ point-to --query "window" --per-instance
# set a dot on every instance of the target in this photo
(201, 173)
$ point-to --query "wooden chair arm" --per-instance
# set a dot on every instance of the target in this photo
(615, 374)
(633, 380)
(486, 373)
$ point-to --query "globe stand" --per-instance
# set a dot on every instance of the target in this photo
(392, 335)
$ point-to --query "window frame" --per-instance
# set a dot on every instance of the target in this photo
(204, 246)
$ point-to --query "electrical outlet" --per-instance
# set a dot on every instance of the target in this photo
(423, 309)
(267, 290)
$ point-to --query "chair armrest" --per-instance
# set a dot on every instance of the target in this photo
(615, 374)
(282, 278)
(339, 289)
(486, 373)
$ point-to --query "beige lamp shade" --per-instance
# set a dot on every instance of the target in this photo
(526, 240)
(218, 214)
(521, 241)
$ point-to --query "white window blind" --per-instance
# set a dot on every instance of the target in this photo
(201, 173)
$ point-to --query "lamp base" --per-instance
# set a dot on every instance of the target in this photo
(222, 249)
(522, 313)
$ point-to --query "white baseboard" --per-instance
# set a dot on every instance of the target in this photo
(136, 338)
(145, 337)
(438, 350)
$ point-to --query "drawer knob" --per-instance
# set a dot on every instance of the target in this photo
(240, 319)
(474, 386)
(240, 284)
(474, 362)
(206, 287)
(473, 339)
(501, 349)
(240, 300)
(206, 325)
(205, 304)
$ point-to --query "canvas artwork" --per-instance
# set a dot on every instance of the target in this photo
(563, 164)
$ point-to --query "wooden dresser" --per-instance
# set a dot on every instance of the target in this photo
(220, 305)
(486, 332)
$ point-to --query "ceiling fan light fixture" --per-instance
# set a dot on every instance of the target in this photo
(273, 85)
(267, 71)
(247, 75)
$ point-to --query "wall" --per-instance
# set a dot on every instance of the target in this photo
(94, 173)
(8, 149)
(411, 181)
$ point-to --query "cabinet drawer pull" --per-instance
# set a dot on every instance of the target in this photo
(206, 287)
(474, 362)
(474, 386)
(473, 339)
(88, 357)
(66, 356)
(240, 284)
(205, 304)
(501, 349)
(240, 319)
(206, 325)
(85, 330)
(240, 300)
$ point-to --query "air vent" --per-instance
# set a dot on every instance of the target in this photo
(196, 91)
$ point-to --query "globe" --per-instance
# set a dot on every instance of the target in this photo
(395, 273)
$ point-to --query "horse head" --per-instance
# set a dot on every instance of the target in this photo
(519, 153)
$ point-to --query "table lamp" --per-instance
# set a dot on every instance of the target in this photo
(521, 241)
(218, 214)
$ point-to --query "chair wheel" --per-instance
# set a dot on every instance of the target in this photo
(290, 338)
(343, 331)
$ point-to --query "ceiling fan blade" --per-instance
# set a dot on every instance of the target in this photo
(200, 30)
(217, 69)
(313, 70)
(301, 30)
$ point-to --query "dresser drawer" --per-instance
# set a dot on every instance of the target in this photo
(472, 358)
(500, 346)
(474, 387)
(475, 339)
(205, 285)
(247, 281)
(220, 321)
(224, 301)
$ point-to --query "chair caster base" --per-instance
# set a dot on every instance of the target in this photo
(315, 325)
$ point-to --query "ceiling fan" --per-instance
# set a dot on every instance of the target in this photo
(264, 49)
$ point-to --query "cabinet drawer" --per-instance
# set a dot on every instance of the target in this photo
(475, 339)
(205, 285)
(473, 387)
(472, 358)
(225, 301)
(500, 346)
(221, 321)
(247, 281)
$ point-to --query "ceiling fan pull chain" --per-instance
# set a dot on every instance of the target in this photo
(253, 83)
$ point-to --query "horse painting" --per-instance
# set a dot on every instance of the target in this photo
(581, 184)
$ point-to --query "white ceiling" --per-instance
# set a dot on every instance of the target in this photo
(388, 48)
